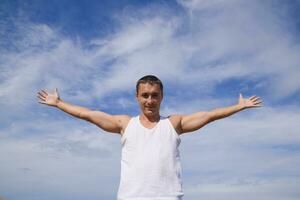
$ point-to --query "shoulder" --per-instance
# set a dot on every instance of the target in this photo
(176, 122)
(122, 121)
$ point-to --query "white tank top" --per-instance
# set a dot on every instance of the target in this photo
(150, 164)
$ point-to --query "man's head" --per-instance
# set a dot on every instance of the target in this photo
(150, 79)
(149, 94)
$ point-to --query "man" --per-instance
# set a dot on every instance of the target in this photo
(150, 164)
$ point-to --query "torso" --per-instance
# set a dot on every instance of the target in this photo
(150, 164)
(174, 119)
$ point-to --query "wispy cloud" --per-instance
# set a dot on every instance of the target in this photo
(195, 52)
(58, 156)
(239, 40)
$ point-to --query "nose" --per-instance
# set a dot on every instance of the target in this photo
(150, 99)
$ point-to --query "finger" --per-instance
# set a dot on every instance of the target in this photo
(258, 102)
(41, 98)
(41, 102)
(41, 94)
(44, 92)
(253, 97)
(256, 106)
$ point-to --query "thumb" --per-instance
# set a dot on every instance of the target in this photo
(56, 91)
(241, 96)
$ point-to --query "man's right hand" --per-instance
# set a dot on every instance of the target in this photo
(47, 98)
(107, 122)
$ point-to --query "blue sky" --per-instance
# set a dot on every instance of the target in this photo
(205, 52)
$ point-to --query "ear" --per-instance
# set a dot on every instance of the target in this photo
(136, 96)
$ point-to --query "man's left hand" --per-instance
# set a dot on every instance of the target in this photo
(251, 102)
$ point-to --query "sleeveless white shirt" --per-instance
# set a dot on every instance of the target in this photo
(150, 164)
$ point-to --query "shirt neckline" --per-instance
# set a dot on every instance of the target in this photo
(149, 129)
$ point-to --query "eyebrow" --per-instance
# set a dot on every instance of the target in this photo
(150, 93)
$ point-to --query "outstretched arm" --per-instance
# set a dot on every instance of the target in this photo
(107, 122)
(195, 121)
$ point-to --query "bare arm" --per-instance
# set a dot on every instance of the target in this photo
(195, 121)
(107, 122)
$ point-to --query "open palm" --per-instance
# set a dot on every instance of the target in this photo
(251, 102)
(47, 98)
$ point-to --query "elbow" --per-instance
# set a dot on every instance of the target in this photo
(84, 115)
(211, 116)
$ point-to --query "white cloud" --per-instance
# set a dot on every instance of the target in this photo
(249, 153)
(241, 40)
(72, 160)
(247, 189)
(248, 33)
(244, 155)
(203, 4)
(216, 41)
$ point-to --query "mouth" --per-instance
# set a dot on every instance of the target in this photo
(149, 108)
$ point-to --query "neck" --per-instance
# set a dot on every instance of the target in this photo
(152, 118)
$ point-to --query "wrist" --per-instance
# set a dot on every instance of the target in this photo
(240, 107)
(58, 102)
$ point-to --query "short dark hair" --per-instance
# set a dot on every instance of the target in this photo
(151, 79)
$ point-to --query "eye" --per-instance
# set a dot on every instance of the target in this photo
(145, 95)
(155, 95)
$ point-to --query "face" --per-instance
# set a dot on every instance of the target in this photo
(149, 97)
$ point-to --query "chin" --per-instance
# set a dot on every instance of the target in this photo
(150, 113)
